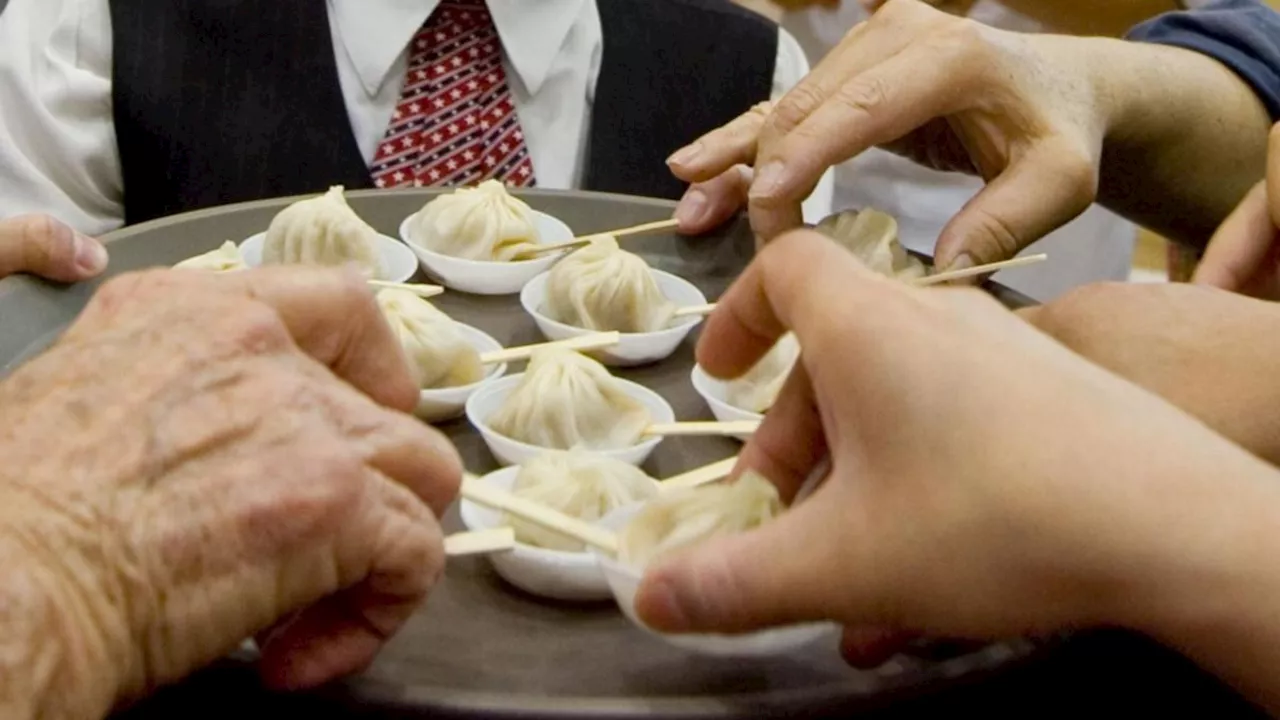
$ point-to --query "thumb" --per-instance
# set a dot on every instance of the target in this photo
(1037, 194)
(723, 586)
(40, 245)
(1239, 248)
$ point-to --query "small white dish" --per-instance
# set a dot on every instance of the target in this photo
(634, 348)
(489, 277)
(485, 402)
(554, 574)
(624, 582)
(398, 261)
(715, 392)
(440, 404)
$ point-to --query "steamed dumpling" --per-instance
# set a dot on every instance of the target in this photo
(605, 288)
(438, 352)
(872, 236)
(758, 389)
(579, 484)
(322, 230)
(567, 400)
(224, 259)
(480, 223)
(681, 518)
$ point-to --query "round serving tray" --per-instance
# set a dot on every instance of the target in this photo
(480, 648)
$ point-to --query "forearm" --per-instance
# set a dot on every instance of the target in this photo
(1214, 590)
(1111, 18)
(1187, 138)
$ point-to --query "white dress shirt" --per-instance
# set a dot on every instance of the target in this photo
(1096, 246)
(58, 151)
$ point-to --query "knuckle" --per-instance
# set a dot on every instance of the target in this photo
(792, 109)
(865, 95)
(1006, 242)
(254, 328)
(46, 243)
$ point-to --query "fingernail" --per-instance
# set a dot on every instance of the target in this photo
(691, 208)
(686, 154)
(768, 180)
(660, 607)
(91, 256)
(962, 262)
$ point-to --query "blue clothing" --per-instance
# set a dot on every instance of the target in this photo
(1244, 35)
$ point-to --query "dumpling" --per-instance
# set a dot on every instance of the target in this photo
(438, 351)
(224, 259)
(758, 389)
(567, 400)
(480, 223)
(578, 484)
(322, 230)
(681, 518)
(603, 287)
(872, 236)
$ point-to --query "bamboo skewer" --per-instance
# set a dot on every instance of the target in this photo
(594, 341)
(480, 542)
(701, 476)
(686, 429)
(491, 497)
(583, 240)
(422, 291)
(689, 310)
(978, 270)
(925, 281)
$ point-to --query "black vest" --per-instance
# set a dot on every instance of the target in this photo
(221, 101)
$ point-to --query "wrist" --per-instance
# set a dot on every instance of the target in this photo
(55, 659)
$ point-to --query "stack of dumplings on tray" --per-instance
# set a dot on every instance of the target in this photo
(322, 230)
(681, 518)
(226, 258)
(605, 288)
(579, 484)
(481, 223)
(567, 400)
(438, 351)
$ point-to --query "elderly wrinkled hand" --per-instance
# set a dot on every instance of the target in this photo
(42, 246)
(1009, 488)
(1024, 112)
(201, 459)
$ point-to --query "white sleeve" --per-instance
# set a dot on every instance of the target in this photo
(57, 134)
(791, 67)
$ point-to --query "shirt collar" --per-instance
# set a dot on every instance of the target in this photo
(373, 34)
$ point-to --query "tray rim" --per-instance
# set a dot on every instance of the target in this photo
(994, 658)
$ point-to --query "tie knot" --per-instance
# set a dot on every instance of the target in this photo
(460, 15)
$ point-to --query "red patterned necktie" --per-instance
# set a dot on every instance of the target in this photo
(455, 123)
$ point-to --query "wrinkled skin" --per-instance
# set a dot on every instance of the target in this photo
(205, 458)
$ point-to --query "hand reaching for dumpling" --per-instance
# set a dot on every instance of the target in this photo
(205, 458)
(985, 481)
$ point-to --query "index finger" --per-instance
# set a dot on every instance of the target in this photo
(333, 317)
(875, 107)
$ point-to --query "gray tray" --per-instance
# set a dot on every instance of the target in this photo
(480, 648)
